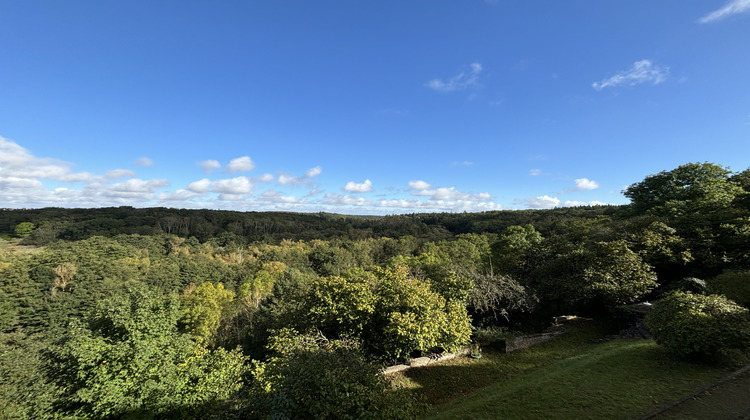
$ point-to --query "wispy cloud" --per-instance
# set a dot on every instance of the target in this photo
(209, 165)
(119, 173)
(462, 80)
(313, 172)
(306, 179)
(734, 7)
(535, 172)
(643, 71)
(144, 161)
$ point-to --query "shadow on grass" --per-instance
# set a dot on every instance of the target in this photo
(574, 376)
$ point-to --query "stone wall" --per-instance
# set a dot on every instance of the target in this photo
(424, 361)
(519, 343)
(507, 346)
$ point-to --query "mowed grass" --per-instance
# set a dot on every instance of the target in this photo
(574, 376)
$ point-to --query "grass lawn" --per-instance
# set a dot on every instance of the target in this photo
(573, 376)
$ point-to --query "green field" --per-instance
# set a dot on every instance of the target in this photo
(574, 376)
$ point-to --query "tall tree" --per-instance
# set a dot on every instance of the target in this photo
(689, 188)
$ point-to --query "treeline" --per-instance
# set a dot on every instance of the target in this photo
(271, 227)
(246, 321)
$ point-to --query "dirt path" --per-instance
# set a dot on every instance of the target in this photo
(729, 399)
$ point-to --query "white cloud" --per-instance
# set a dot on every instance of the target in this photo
(180, 195)
(583, 203)
(535, 172)
(643, 71)
(143, 161)
(734, 7)
(81, 177)
(460, 81)
(450, 193)
(288, 179)
(240, 164)
(585, 184)
(201, 186)
(276, 197)
(419, 185)
(233, 186)
(438, 205)
(353, 187)
(119, 173)
(16, 161)
(344, 200)
(264, 178)
(542, 202)
(140, 186)
(462, 163)
(209, 165)
(313, 172)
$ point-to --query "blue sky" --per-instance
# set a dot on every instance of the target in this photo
(365, 107)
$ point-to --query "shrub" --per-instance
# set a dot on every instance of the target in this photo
(308, 376)
(733, 284)
(700, 327)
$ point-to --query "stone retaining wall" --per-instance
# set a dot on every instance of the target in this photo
(507, 346)
(424, 361)
(526, 341)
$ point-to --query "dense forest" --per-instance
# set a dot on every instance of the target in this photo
(166, 313)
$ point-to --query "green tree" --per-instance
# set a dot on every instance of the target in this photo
(129, 359)
(512, 245)
(608, 273)
(703, 202)
(689, 188)
(410, 316)
(24, 229)
(342, 305)
(203, 308)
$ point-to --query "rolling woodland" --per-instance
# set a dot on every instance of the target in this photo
(171, 313)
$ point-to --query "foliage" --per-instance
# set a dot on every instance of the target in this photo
(605, 271)
(511, 246)
(25, 392)
(699, 327)
(391, 311)
(128, 358)
(498, 295)
(203, 308)
(309, 376)
(409, 316)
(24, 229)
(343, 305)
(734, 284)
(689, 188)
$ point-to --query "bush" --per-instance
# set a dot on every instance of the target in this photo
(733, 284)
(308, 376)
(700, 327)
